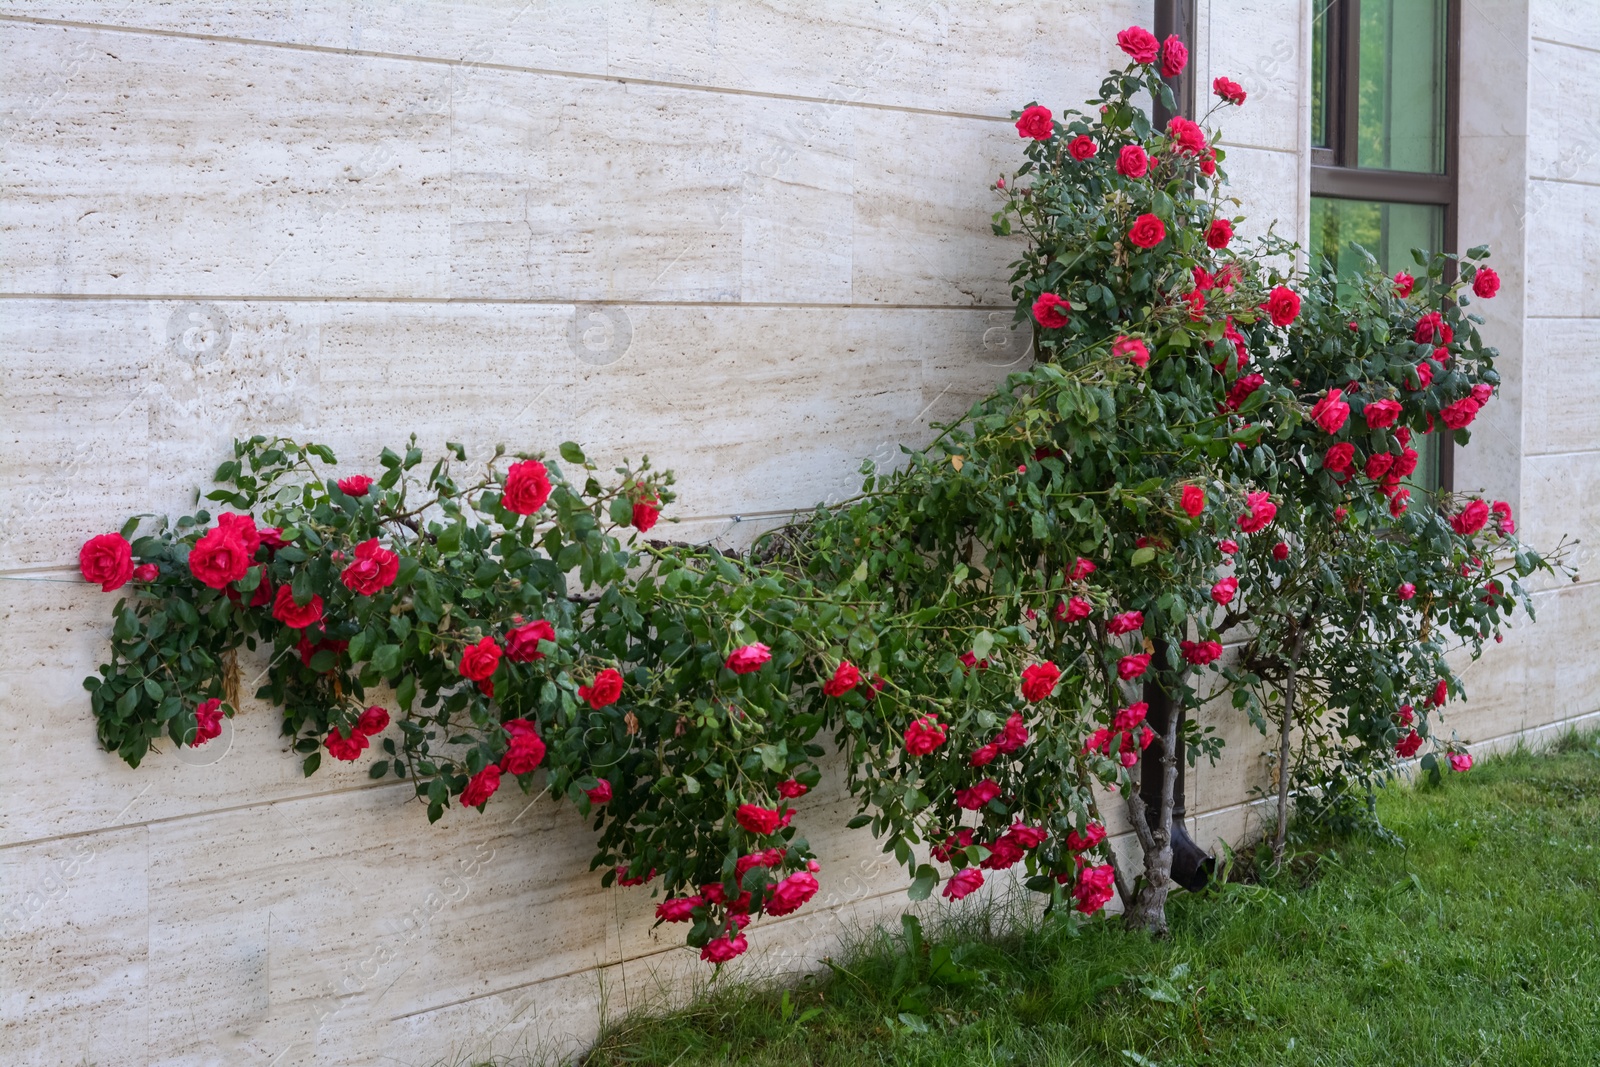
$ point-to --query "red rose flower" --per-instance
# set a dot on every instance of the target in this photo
(645, 514)
(1125, 623)
(1036, 122)
(1280, 551)
(1095, 888)
(1380, 414)
(1003, 854)
(1403, 283)
(1082, 147)
(959, 840)
(1132, 161)
(1081, 569)
(977, 796)
(1471, 519)
(964, 882)
(1225, 590)
(219, 558)
(1441, 693)
(678, 909)
(148, 572)
(758, 820)
(1132, 349)
(525, 750)
(969, 661)
(1242, 389)
(245, 527)
(1186, 137)
(1194, 500)
(1330, 412)
(1147, 231)
(527, 487)
(1131, 667)
(1219, 233)
(748, 659)
(1399, 502)
(1459, 414)
(1407, 746)
(1282, 305)
(604, 691)
(1503, 522)
(108, 560)
(1074, 610)
(1337, 459)
(522, 642)
(791, 894)
(1228, 90)
(1039, 681)
(1092, 835)
(720, 950)
(924, 735)
(1174, 56)
(600, 794)
(1405, 591)
(1050, 311)
(355, 485)
(983, 755)
(1139, 43)
(1431, 329)
(791, 789)
(1379, 464)
(1460, 761)
(374, 720)
(1485, 283)
(479, 661)
(481, 787)
(292, 614)
(1482, 392)
(1229, 547)
(844, 679)
(1197, 305)
(207, 722)
(346, 748)
(1200, 653)
(1262, 512)
(373, 570)
(1013, 735)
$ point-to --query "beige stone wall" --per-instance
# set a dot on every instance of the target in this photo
(750, 239)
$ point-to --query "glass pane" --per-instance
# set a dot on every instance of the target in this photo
(1319, 73)
(1401, 124)
(1388, 231)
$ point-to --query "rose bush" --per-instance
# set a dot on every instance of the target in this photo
(1197, 455)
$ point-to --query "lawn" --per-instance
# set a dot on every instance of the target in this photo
(1472, 938)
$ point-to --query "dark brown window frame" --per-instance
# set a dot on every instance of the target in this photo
(1333, 168)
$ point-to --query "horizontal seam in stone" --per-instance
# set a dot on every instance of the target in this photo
(623, 79)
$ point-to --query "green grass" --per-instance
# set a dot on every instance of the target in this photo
(1475, 941)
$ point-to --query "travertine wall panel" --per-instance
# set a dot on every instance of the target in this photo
(110, 400)
(1563, 379)
(934, 56)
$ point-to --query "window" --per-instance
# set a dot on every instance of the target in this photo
(1383, 157)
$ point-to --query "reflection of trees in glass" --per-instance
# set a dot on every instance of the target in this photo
(1341, 228)
(1319, 77)
(1388, 231)
(1401, 91)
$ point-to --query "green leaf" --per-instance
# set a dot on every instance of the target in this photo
(1142, 556)
(572, 453)
(311, 763)
(922, 885)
